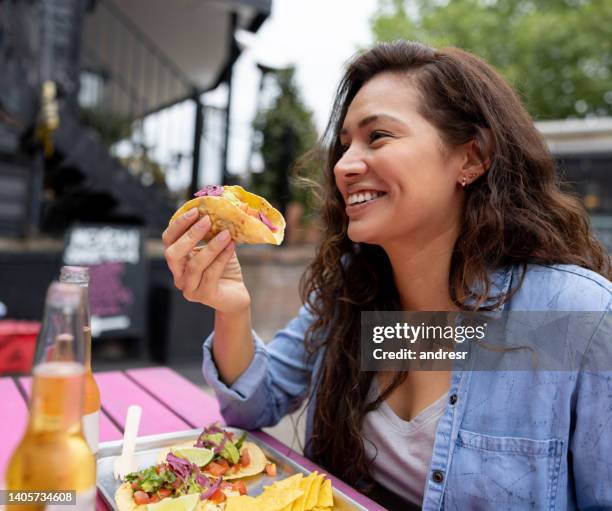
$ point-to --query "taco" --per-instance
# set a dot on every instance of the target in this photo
(201, 468)
(218, 454)
(175, 485)
(248, 217)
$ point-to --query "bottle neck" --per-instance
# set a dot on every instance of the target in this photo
(57, 395)
(87, 328)
(87, 341)
(87, 323)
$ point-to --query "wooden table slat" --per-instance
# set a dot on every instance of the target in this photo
(118, 392)
(108, 430)
(13, 421)
(190, 402)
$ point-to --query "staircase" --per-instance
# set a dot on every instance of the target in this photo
(84, 180)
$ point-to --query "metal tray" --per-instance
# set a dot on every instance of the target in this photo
(148, 447)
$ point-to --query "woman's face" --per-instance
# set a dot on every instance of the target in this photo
(398, 181)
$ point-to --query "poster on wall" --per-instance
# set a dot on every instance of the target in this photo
(115, 257)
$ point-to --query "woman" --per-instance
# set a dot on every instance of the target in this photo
(439, 195)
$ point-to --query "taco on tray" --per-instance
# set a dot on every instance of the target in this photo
(230, 459)
(193, 476)
(248, 217)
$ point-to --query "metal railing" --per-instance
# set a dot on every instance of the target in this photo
(140, 102)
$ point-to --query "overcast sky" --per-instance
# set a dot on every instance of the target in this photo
(317, 36)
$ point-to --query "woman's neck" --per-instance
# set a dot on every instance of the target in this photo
(421, 272)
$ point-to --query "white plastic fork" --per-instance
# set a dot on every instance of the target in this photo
(126, 463)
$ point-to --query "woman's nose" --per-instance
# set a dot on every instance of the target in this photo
(350, 164)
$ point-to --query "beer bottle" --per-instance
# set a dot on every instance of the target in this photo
(91, 394)
(53, 454)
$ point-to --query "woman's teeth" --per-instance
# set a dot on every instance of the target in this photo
(357, 198)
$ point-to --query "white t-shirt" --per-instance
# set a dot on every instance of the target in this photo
(404, 448)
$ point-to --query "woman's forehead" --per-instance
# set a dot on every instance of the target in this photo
(387, 94)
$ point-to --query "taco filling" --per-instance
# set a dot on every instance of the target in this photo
(227, 193)
(248, 217)
(177, 477)
(218, 454)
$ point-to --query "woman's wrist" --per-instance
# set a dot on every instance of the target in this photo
(232, 347)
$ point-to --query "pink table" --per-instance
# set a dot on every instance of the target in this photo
(169, 402)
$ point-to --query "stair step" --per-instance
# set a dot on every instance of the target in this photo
(83, 149)
(9, 139)
(17, 176)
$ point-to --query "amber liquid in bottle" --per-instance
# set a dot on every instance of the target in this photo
(91, 398)
(53, 454)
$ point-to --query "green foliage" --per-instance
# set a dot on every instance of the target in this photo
(115, 127)
(556, 53)
(112, 127)
(141, 165)
(285, 131)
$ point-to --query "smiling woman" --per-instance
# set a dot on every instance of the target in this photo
(438, 195)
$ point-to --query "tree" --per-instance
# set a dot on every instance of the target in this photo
(285, 131)
(556, 53)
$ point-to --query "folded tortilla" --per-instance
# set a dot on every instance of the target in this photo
(228, 208)
(256, 455)
(124, 498)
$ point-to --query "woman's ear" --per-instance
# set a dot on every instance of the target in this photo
(478, 154)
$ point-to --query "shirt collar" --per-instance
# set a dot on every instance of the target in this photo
(500, 280)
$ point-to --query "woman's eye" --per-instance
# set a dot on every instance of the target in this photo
(376, 135)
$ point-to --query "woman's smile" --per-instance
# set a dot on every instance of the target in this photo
(361, 201)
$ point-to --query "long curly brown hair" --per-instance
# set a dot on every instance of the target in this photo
(516, 213)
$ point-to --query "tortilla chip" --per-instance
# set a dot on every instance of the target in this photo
(326, 498)
(242, 503)
(289, 482)
(313, 494)
(275, 500)
(305, 484)
(243, 227)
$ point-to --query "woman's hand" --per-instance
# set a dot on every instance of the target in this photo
(210, 274)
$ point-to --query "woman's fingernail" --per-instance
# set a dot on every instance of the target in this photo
(191, 213)
(223, 235)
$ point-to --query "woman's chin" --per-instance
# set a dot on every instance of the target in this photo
(357, 234)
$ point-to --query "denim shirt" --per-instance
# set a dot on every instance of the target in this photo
(507, 440)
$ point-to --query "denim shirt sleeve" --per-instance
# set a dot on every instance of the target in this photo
(591, 442)
(273, 385)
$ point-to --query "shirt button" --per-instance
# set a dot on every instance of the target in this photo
(453, 399)
(437, 476)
